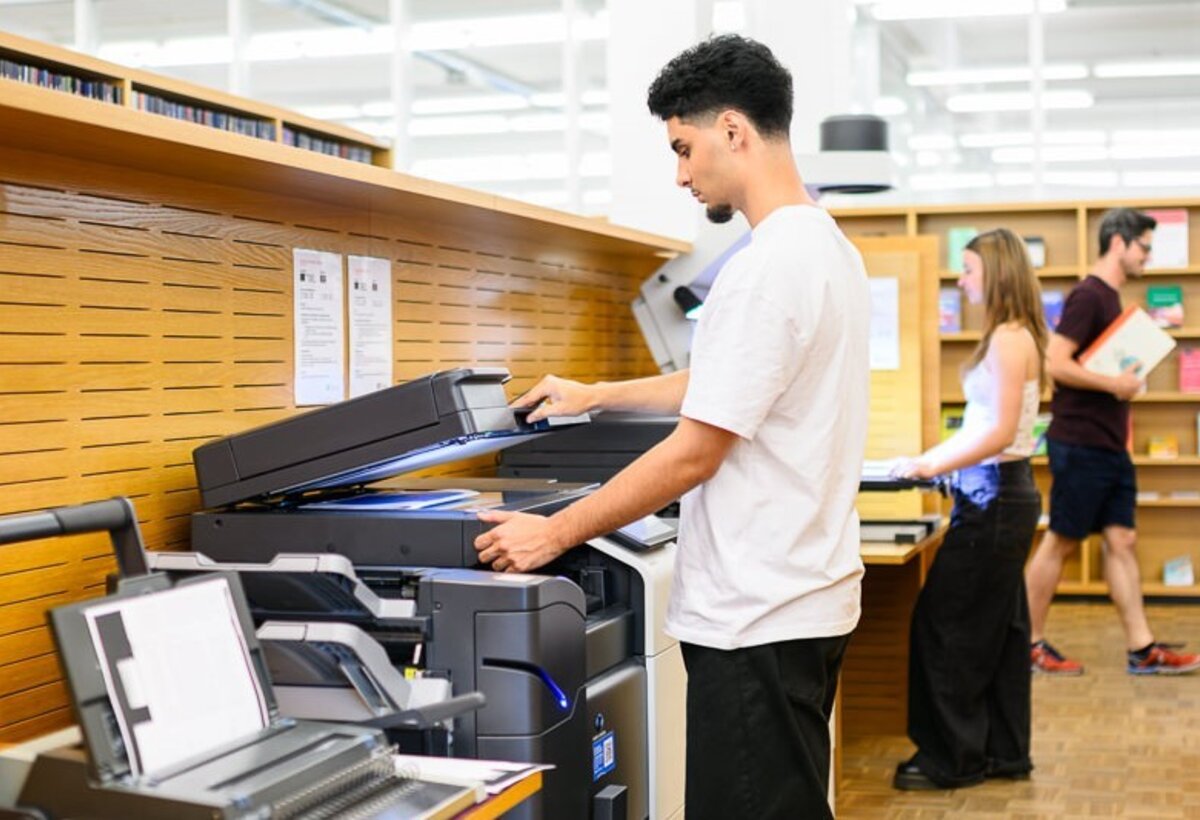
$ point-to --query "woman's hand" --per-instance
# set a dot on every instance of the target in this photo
(919, 467)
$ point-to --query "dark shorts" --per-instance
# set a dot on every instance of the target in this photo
(1092, 488)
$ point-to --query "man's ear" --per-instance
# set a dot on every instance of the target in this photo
(734, 128)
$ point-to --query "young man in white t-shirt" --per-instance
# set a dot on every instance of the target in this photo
(767, 455)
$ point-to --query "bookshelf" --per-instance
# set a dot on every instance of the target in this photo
(1068, 231)
(28, 62)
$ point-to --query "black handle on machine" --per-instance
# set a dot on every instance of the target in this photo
(115, 516)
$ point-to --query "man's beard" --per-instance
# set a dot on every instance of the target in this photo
(719, 214)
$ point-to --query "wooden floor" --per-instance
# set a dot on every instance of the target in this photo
(1106, 744)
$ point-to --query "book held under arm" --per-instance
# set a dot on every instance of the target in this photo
(1133, 339)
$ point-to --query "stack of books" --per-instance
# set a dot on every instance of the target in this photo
(93, 88)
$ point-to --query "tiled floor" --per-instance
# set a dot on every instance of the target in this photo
(1106, 744)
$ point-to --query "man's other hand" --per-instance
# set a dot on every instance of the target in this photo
(519, 542)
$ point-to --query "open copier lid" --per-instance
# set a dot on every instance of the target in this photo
(296, 486)
(435, 419)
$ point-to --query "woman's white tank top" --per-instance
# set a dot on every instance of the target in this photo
(981, 411)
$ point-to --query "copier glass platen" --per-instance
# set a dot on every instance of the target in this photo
(164, 741)
(573, 661)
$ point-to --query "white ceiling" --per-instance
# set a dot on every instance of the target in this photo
(1089, 151)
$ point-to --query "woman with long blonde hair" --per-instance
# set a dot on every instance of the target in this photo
(969, 688)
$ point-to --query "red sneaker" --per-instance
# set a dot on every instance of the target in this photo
(1160, 660)
(1046, 660)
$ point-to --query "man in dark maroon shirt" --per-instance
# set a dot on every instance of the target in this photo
(1094, 488)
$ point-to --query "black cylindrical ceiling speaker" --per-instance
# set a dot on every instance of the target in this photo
(854, 132)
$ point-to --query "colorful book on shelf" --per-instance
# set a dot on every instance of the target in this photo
(1052, 306)
(952, 419)
(1165, 445)
(1189, 370)
(956, 242)
(1131, 340)
(1170, 239)
(1041, 423)
(1036, 247)
(1178, 572)
(1164, 303)
(949, 310)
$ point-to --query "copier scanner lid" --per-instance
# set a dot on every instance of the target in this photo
(431, 420)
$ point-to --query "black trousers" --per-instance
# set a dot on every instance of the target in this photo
(758, 729)
(968, 673)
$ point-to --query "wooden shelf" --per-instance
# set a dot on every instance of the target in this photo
(1184, 332)
(1167, 397)
(962, 336)
(1191, 270)
(1171, 503)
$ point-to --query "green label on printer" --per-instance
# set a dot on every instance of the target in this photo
(604, 755)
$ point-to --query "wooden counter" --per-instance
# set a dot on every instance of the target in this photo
(875, 673)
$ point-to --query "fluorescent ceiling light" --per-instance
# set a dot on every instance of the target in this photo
(511, 167)
(1004, 139)
(1086, 179)
(469, 105)
(556, 99)
(1083, 179)
(931, 142)
(888, 107)
(1156, 137)
(1050, 153)
(1017, 101)
(477, 32)
(1008, 74)
(330, 112)
(933, 9)
(1163, 151)
(1160, 179)
(507, 30)
(1164, 68)
(937, 182)
(596, 122)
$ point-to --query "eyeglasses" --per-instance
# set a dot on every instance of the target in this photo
(1146, 246)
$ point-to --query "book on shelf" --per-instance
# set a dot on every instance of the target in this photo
(325, 145)
(952, 419)
(1170, 239)
(83, 86)
(1165, 445)
(949, 310)
(1164, 303)
(1132, 340)
(1036, 247)
(201, 115)
(1189, 369)
(1184, 495)
(956, 241)
(1148, 495)
(1052, 306)
(1041, 423)
(1178, 572)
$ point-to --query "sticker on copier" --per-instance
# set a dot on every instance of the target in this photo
(604, 755)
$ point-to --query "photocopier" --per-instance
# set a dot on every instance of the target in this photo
(178, 717)
(358, 578)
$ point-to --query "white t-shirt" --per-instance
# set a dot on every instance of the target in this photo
(769, 546)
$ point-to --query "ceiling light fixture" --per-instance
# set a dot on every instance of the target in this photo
(1018, 101)
(1165, 68)
(935, 9)
(998, 74)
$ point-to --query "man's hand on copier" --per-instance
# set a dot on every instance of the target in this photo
(554, 396)
(519, 542)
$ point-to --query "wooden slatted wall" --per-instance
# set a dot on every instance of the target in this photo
(142, 314)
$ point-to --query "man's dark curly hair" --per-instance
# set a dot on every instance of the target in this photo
(723, 72)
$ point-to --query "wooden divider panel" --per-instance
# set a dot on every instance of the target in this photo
(143, 314)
